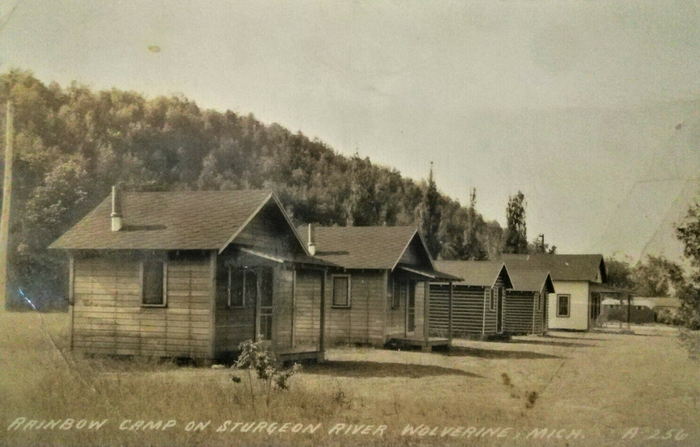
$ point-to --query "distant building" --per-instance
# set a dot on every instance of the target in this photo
(478, 299)
(576, 304)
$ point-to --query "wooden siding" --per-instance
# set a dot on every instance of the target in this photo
(520, 314)
(269, 232)
(363, 321)
(539, 313)
(467, 310)
(307, 310)
(415, 254)
(108, 317)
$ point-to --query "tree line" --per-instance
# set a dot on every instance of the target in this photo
(73, 143)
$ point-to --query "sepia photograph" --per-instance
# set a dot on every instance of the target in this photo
(350, 223)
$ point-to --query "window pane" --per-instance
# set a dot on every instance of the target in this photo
(153, 283)
(563, 305)
(340, 291)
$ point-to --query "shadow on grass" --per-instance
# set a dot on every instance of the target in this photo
(367, 369)
(573, 338)
(563, 344)
(626, 332)
(497, 353)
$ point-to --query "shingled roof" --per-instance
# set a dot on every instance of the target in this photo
(175, 220)
(563, 267)
(370, 247)
(475, 273)
(530, 279)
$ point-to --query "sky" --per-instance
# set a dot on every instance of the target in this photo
(576, 103)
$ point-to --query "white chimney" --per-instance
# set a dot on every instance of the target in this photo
(116, 215)
(310, 240)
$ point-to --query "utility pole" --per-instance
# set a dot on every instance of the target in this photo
(6, 204)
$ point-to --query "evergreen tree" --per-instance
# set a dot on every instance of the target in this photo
(430, 215)
(473, 245)
(515, 236)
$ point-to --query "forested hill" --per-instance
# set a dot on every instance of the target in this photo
(72, 144)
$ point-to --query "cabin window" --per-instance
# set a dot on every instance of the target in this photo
(341, 290)
(563, 305)
(153, 290)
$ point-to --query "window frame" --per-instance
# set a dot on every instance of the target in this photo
(349, 290)
(568, 305)
(164, 263)
(229, 289)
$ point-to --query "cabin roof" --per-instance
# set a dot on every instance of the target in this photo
(566, 267)
(173, 220)
(476, 273)
(368, 247)
(530, 279)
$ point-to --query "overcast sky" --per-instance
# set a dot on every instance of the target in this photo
(573, 102)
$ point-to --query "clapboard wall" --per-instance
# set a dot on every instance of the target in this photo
(107, 316)
(467, 310)
(471, 312)
(520, 315)
(308, 292)
(363, 321)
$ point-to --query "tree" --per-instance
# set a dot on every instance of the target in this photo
(619, 273)
(656, 276)
(72, 143)
(430, 214)
(688, 232)
(540, 246)
(515, 236)
(473, 245)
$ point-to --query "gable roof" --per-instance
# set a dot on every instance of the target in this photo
(563, 267)
(475, 273)
(530, 279)
(173, 220)
(370, 247)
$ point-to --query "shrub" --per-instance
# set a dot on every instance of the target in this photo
(255, 356)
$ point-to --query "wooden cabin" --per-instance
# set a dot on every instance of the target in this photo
(477, 299)
(377, 291)
(576, 305)
(525, 305)
(192, 274)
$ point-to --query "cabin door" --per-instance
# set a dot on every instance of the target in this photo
(263, 304)
(499, 295)
(410, 307)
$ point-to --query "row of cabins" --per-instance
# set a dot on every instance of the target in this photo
(195, 273)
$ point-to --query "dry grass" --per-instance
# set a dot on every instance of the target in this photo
(599, 383)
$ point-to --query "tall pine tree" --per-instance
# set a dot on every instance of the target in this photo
(515, 236)
(473, 245)
(430, 214)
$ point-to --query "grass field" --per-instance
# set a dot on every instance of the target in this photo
(591, 388)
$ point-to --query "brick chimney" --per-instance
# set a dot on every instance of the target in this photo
(116, 216)
(311, 246)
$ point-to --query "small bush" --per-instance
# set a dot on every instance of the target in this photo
(255, 356)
